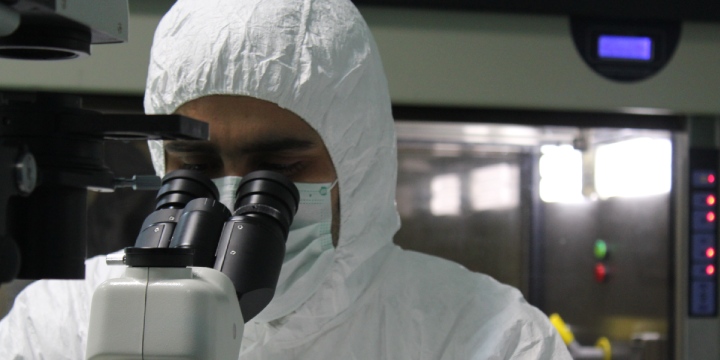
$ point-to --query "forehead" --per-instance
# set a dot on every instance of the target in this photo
(242, 120)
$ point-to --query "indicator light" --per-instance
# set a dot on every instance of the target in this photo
(710, 216)
(710, 252)
(600, 249)
(710, 200)
(711, 179)
(601, 273)
(710, 270)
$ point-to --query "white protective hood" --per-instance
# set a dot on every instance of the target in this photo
(318, 60)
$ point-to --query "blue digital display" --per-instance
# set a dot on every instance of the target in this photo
(621, 47)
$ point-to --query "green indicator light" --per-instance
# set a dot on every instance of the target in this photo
(600, 249)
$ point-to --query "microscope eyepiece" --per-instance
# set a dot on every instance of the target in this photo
(252, 244)
(267, 193)
(187, 214)
(181, 186)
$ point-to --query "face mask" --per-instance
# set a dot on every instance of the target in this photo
(227, 186)
(315, 205)
(308, 246)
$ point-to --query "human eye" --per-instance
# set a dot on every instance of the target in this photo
(288, 169)
(210, 165)
(196, 167)
(199, 156)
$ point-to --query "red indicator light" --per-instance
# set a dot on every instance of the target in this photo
(710, 252)
(710, 216)
(710, 270)
(710, 200)
(711, 179)
(601, 273)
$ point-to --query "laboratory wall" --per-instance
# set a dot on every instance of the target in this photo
(447, 58)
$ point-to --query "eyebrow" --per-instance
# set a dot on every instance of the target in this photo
(267, 145)
(184, 146)
(275, 145)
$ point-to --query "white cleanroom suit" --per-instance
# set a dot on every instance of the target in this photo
(364, 299)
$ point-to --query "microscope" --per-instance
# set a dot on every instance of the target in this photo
(51, 148)
(197, 271)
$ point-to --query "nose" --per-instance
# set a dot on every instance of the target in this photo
(237, 166)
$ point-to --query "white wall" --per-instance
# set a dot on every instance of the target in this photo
(479, 59)
(441, 58)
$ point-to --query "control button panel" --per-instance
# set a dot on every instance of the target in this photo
(703, 233)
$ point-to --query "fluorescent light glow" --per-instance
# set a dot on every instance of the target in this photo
(447, 149)
(645, 111)
(560, 174)
(495, 187)
(445, 192)
(637, 167)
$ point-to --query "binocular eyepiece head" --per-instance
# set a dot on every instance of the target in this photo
(191, 226)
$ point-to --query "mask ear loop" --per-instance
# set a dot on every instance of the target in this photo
(332, 185)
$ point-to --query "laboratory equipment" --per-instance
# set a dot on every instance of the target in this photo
(156, 308)
(52, 148)
(606, 219)
(59, 30)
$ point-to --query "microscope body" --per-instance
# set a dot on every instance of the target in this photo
(165, 313)
(170, 304)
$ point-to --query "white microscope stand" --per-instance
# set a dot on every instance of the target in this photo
(165, 313)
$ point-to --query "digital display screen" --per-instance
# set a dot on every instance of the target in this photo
(622, 47)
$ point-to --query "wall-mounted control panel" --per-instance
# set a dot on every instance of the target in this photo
(703, 205)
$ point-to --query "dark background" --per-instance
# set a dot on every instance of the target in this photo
(697, 10)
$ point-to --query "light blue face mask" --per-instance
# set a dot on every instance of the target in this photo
(306, 250)
(315, 205)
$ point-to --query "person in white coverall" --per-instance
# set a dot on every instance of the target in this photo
(297, 86)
